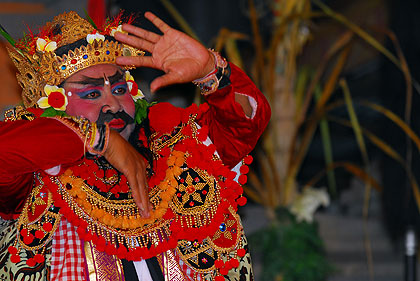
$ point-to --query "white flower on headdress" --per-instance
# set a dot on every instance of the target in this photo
(55, 98)
(306, 203)
(117, 29)
(43, 45)
(94, 36)
(134, 90)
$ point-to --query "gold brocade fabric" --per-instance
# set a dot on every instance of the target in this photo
(20, 270)
(195, 228)
(102, 267)
(171, 268)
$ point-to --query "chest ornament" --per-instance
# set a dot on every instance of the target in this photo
(193, 195)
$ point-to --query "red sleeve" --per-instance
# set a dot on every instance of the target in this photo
(231, 131)
(28, 146)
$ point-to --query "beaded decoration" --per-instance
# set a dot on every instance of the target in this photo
(194, 198)
(210, 83)
(94, 137)
(39, 65)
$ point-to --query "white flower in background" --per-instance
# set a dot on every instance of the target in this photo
(94, 36)
(305, 205)
(43, 45)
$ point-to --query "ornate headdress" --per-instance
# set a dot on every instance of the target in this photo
(64, 46)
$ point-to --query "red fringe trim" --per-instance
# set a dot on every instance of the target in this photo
(230, 191)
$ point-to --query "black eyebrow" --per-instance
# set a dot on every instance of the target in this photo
(99, 81)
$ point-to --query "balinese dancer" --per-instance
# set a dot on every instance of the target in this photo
(98, 184)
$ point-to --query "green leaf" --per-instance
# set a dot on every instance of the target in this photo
(49, 112)
(7, 36)
(327, 147)
(90, 20)
(141, 110)
(61, 113)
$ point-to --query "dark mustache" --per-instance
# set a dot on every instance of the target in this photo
(109, 116)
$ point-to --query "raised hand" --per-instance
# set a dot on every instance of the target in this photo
(123, 157)
(182, 58)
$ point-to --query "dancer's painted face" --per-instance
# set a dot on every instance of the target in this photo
(100, 94)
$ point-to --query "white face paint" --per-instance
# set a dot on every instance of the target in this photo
(69, 94)
(106, 82)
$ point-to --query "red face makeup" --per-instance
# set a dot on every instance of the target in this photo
(100, 94)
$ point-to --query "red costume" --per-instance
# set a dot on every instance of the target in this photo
(41, 144)
(29, 146)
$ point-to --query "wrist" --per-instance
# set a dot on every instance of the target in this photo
(95, 138)
(210, 66)
(217, 76)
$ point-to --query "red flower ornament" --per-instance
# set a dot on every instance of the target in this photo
(55, 98)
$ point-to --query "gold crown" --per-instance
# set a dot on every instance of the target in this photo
(37, 68)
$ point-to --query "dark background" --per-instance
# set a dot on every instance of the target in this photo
(370, 77)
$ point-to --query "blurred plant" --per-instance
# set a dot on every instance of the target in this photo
(292, 250)
(301, 101)
(291, 90)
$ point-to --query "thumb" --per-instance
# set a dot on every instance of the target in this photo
(163, 81)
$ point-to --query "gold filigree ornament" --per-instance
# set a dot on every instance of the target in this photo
(70, 34)
(35, 227)
(18, 113)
